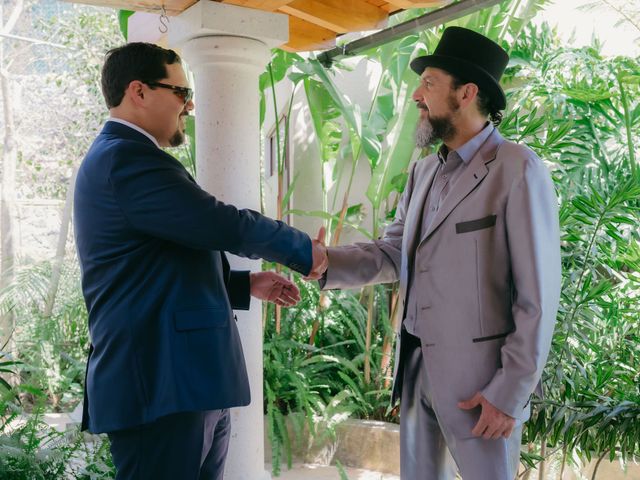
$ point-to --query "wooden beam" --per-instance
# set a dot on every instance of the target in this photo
(305, 36)
(390, 8)
(172, 7)
(340, 16)
(405, 4)
(268, 5)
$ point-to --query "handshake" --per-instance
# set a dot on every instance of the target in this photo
(275, 288)
(320, 258)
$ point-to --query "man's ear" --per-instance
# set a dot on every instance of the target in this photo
(135, 92)
(469, 93)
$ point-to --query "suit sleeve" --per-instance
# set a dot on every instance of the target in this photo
(534, 244)
(379, 261)
(159, 198)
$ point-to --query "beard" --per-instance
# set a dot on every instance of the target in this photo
(178, 137)
(431, 129)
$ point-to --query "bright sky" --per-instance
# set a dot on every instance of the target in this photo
(601, 21)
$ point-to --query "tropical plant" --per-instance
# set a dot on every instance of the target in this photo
(580, 111)
(30, 449)
(34, 451)
(323, 382)
(95, 462)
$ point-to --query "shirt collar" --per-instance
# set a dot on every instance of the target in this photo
(467, 151)
(136, 128)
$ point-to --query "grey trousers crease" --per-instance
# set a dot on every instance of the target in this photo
(185, 446)
(429, 451)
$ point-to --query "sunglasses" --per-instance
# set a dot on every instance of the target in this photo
(185, 93)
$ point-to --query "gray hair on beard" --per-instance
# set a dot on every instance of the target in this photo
(424, 134)
(430, 131)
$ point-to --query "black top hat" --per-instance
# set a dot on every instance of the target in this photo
(471, 57)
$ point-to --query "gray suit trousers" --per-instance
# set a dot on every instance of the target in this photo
(429, 450)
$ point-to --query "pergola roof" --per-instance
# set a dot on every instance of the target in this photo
(313, 24)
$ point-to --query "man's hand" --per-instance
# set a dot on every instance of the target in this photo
(320, 259)
(493, 423)
(274, 288)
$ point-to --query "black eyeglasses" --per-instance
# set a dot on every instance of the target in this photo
(185, 93)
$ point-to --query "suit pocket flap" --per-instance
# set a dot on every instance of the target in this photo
(200, 318)
(491, 337)
(479, 224)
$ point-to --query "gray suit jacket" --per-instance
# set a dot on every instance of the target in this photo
(488, 278)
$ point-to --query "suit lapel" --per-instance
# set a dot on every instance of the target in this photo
(472, 176)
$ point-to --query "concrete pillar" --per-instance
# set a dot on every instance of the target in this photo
(227, 48)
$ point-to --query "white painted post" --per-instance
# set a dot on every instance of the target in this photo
(227, 48)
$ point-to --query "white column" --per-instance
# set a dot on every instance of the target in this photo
(227, 48)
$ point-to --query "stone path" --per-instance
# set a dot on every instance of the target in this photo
(321, 472)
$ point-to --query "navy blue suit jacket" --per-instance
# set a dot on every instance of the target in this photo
(157, 285)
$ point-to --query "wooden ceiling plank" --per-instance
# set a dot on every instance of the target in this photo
(389, 7)
(340, 16)
(305, 36)
(313, 23)
(268, 5)
(405, 4)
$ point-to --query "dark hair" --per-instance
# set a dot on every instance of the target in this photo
(486, 105)
(145, 62)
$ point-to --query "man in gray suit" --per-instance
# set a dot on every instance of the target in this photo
(475, 245)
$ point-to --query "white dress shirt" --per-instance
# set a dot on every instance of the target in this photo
(135, 127)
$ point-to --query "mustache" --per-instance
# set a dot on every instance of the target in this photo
(422, 106)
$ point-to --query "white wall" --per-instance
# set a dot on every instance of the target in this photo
(358, 85)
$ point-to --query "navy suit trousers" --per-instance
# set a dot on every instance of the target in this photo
(185, 446)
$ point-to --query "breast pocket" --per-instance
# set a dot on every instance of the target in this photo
(474, 225)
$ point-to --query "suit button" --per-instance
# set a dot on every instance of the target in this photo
(424, 269)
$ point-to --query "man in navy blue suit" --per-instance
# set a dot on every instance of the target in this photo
(166, 360)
